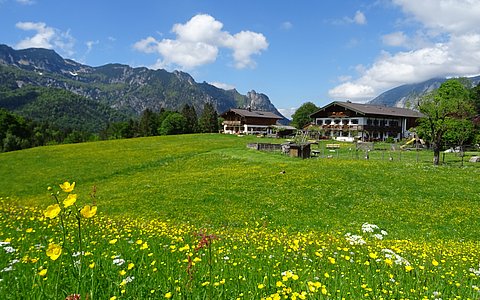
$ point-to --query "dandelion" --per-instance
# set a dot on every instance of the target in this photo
(88, 211)
(54, 251)
(43, 272)
(52, 211)
(67, 187)
(70, 200)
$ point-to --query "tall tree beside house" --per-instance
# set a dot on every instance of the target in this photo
(208, 121)
(301, 117)
(190, 115)
(441, 107)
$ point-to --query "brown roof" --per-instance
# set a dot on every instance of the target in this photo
(253, 113)
(371, 109)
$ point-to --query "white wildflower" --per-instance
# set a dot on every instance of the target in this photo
(354, 239)
(366, 227)
(475, 271)
(378, 236)
(9, 249)
(118, 261)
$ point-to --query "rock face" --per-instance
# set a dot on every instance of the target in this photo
(129, 90)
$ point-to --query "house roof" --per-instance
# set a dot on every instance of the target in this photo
(254, 113)
(370, 109)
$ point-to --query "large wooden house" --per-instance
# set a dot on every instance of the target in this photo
(247, 121)
(349, 121)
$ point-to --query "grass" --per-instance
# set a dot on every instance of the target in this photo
(203, 217)
(215, 180)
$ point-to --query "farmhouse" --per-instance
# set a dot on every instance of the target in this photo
(349, 121)
(247, 121)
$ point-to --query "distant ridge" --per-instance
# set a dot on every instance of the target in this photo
(122, 88)
(405, 95)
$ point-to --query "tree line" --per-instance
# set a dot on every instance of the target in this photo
(18, 132)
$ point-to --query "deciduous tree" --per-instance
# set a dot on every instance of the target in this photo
(449, 102)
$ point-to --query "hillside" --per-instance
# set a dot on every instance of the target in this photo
(214, 180)
(406, 94)
(124, 89)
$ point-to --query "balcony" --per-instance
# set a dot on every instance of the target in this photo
(232, 123)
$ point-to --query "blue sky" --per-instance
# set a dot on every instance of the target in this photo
(292, 51)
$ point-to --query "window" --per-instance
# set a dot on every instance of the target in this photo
(394, 123)
(345, 122)
(328, 122)
(319, 122)
(337, 121)
(354, 121)
(369, 122)
(375, 122)
(383, 123)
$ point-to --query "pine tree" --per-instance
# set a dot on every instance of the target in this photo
(208, 121)
(190, 115)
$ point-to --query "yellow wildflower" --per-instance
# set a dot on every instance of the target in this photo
(88, 211)
(261, 286)
(168, 295)
(144, 246)
(70, 200)
(408, 268)
(92, 265)
(434, 262)
(54, 251)
(130, 266)
(43, 272)
(67, 187)
(52, 211)
(28, 230)
(111, 242)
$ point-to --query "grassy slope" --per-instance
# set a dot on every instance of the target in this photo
(214, 180)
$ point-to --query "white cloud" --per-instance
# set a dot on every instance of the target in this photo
(395, 39)
(222, 85)
(46, 37)
(287, 25)
(198, 42)
(452, 50)
(360, 18)
(26, 2)
(287, 112)
(453, 16)
(90, 45)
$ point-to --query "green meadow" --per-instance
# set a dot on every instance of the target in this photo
(214, 180)
(205, 217)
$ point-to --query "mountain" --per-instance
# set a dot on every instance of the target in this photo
(120, 91)
(403, 95)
